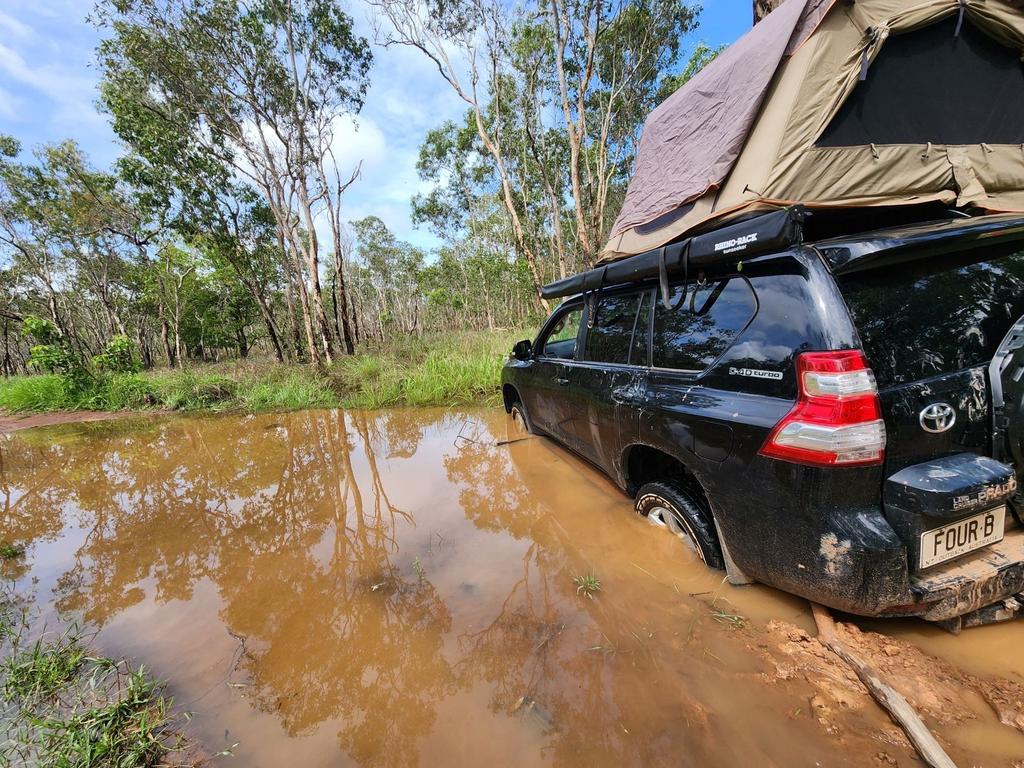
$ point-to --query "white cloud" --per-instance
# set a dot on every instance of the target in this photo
(358, 141)
(11, 26)
(8, 105)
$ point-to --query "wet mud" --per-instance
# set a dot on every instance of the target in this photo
(402, 588)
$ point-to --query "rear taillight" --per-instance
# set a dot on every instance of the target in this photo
(837, 419)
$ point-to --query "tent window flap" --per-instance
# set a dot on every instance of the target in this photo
(932, 85)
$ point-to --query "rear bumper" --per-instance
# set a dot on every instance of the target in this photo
(993, 574)
(831, 541)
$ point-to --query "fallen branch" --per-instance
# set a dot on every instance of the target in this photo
(890, 699)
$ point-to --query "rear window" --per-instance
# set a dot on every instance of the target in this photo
(700, 322)
(939, 315)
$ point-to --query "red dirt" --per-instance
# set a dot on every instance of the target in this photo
(936, 688)
(14, 422)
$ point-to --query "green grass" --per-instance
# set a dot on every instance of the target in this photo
(10, 551)
(588, 585)
(42, 669)
(453, 369)
(35, 393)
(440, 370)
(63, 706)
(128, 731)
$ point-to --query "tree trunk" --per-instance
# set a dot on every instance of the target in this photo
(763, 7)
(293, 322)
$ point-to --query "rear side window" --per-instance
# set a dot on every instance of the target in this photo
(700, 323)
(610, 336)
(936, 315)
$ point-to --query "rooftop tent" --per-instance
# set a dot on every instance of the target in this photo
(836, 104)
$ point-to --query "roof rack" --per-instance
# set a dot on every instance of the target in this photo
(760, 234)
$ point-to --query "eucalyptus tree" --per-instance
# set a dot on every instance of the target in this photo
(390, 271)
(466, 41)
(69, 233)
(609, 58)
(557, 92)
(259, 88)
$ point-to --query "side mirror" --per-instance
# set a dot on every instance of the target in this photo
(523, 350)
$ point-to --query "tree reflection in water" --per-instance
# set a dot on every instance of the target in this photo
(302, 553)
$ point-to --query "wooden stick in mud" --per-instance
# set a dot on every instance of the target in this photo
(890, 699)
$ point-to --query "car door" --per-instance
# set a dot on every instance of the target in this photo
(609, 380)
(699, 324)
(548, 400)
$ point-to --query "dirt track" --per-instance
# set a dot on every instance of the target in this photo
(14, 422)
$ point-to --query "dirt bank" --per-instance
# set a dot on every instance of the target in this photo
(12, 422)
(945, 695)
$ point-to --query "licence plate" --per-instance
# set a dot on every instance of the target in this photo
(941, 544)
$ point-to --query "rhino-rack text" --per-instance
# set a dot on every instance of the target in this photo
(736, 244)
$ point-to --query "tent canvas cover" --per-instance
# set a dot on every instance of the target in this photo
(838, 104)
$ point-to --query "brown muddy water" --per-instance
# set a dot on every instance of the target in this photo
(396, 588)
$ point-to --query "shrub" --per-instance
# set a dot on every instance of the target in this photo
(118, 356)
(46, 392)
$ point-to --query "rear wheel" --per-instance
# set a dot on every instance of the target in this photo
(670, 507)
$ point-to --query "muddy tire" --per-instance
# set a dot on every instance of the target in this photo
(521, 419)
(670, 507)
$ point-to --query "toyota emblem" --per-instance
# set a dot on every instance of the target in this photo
(937, 417)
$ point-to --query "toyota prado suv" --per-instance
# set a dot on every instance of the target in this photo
(841, 420)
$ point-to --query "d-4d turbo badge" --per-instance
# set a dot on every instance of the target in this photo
(755, 373)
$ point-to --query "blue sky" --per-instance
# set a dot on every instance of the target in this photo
(48, 93)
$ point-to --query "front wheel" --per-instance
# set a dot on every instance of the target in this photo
(520, 419)
(670, 507)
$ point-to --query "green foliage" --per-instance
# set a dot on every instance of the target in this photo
(21, 394)
(118, 356)
(702, 55)
(69, 709)
(587, 585)
(42, 669)
(51, 353)
(42, 331)
(10, 551)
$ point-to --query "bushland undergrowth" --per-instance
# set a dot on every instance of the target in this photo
(448, 369)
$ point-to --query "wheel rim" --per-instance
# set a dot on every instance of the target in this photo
(661, 516)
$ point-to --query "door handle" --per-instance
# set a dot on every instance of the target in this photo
(561, 382)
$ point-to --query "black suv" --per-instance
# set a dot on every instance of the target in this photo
(843, 420)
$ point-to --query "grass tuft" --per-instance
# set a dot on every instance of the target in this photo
(449, 369)
(47, 392)
(42, 669)
(62, 706)
(129, 731)
(588, 585)
(10, 551)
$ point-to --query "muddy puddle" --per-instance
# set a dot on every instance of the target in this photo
(398, 588)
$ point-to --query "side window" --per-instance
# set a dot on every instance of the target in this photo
(701, 323)
(561, 339)
(610, 337)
